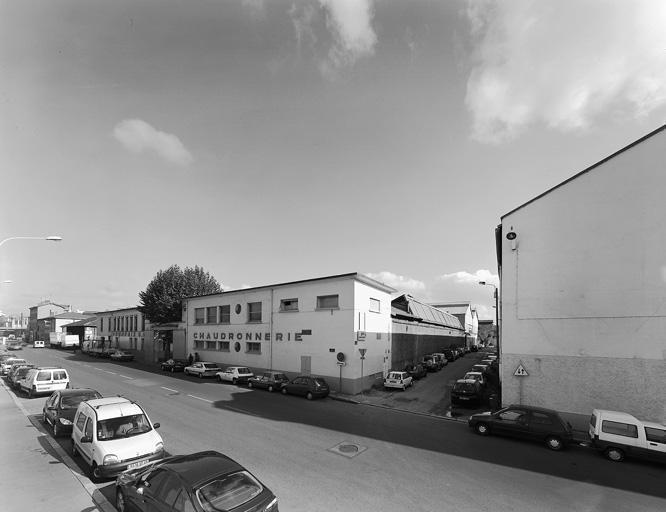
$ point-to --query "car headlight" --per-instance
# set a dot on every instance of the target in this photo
(159, 447)
(65, 421)
(273, 505)
(110, 459)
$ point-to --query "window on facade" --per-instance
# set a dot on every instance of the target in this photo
(212, 345)
(254, 312)
(254, 347)
(225, 314)
(101, 323)
(289, 305)
(199, 315)
(327, 302)
(211, 315)
(374, 305)
(224, 346)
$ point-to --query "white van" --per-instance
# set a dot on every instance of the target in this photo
(619, 435)
(114, 434)
(44, 380)
(38, 344)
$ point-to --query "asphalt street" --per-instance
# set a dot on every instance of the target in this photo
(331, 455)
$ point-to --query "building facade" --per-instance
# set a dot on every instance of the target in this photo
(123, 328)
(42, 310)
(467, 316)
(336, 327)
(583, 289)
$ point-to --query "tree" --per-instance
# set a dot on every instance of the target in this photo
(161, 301)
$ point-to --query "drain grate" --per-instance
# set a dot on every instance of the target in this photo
(348, 449)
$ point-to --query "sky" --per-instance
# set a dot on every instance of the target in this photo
(271, 141)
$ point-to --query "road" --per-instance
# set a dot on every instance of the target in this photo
(327, 455)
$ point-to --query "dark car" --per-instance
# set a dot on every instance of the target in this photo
(16, 373)
(466, 391)
(199, 482)
(174, 365)
(451, 355)
(526, 422)
(308, 386)
(268, 380)
(430, 363)
(416, 371)
(60, 408)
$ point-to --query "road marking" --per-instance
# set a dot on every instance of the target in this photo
(126, 377)
(112, 373)
(241, 410)
(202, 399)
(87, 365)
(169, 389)
(100, 369)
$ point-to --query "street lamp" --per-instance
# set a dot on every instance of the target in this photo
(497, 329)
(49, 238)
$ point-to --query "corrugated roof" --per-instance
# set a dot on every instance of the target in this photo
(425, 312)
(455, 308)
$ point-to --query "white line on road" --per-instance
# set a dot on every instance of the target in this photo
(202, 399)
(241, 410)
(169, 389)
(112, 373)
(126, 377)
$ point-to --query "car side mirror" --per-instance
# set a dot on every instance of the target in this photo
(86, 439)
(156, 425)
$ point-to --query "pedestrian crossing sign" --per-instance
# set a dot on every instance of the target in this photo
(520, 371)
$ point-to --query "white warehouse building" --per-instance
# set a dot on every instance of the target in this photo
(583, 289)
(336, 327)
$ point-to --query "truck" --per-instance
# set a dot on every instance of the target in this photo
(63, 340)
(96, 348)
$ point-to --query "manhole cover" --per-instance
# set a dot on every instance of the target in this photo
(348, 448)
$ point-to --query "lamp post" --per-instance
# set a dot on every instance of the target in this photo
(497, 329)
(49, 238)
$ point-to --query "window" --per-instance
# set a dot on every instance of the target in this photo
(375, 305)
(224, 346)
(327, 302)
(619, 429)
(211, 315)
(199, 315)
(80, 421)
(254, 347)
(541, 418)
(655, 435)
(289, 305)
(173, 494)
(254, 312)
(225, 314)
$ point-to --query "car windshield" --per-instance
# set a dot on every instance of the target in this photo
(72, 402)
(116, 428)
(229, 492)
(464, 386)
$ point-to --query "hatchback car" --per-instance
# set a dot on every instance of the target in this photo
(400, 380)
(308, 386)
(202, 369)
(14, 345)
(416, 371)
(121, 355)
(526, 422)
(174, 365)
(477, 376)
(235, 374)
(16, 373)
(60, 408)
(451, 355)
(268, 380)
(6, 365)
(466, 391)
(204, 481)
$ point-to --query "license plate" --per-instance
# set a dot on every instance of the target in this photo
(135, 465)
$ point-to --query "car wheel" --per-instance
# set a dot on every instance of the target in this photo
(249, 384)
(614, 454)
(270, 389)
(56, 430)
(31, 393)
(554, 443)
(44, 418)
(234, 380)
(172, 371)
(411, 382)
(186, 372)
(482, 429)
(201, 375)
(284, 391)
(95, 473)
(219, 379)
(309, 395)
(75, 451)
(121, 504)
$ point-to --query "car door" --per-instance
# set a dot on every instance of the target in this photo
(542, 425)
(143, 494)
(50, 407)
(656, 443)
(511, 422)
(299, 385)
(86, 449)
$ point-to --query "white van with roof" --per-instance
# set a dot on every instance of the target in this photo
(44, 380)
(114, 434)
(619, 435)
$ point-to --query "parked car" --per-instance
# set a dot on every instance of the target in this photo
(416, 371)
(441, 359)
(451, 355)
(235, 374)
(44, 380)
(38, 344)
(16, 372)
(480, 368)
(430, 363)
(268, 380)
(474, 348)
(6, 365)
(204, 481)
(113, 435)
(60, 408)
(400, 380)
(14, 345)
(460, 351)
(525, 422)
(466, 391)
(618, 435)
(202, 369)
(174, 365)
(121, 355)
(477, 376)
(308, 386)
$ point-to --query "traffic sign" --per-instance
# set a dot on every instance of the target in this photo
(520, 371)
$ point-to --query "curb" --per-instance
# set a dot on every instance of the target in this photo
(85, 482)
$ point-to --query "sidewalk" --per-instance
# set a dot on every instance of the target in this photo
(36, 473)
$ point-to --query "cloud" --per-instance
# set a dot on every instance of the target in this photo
(400, 283)
(563, 63)
(138, 136)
